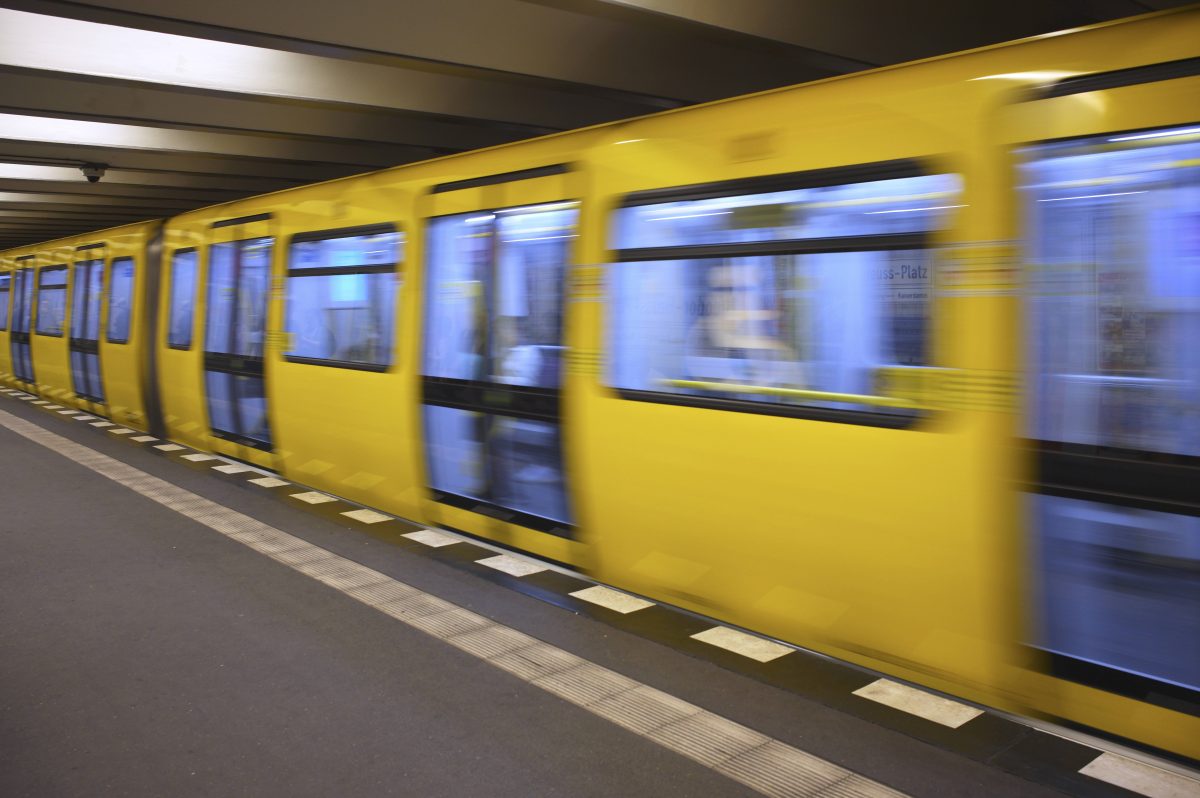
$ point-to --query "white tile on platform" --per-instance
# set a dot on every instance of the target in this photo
(612, 599)
(102, 424)
(122, 431)
(144, 438)
(431, 537)
(313, 497)
(367, 516)
(68, 410)
(747, 645)
(232, 468)
(1141, 777)
(169, 447)
(199, 457)
(84, 417)
(919, 703)
(40, 402)
(515, 566)
(269, 482)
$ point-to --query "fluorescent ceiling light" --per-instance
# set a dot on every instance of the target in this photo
(30, 171)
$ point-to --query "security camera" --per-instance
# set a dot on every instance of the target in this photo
(93, 171)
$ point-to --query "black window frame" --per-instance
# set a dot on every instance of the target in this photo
(395, 269)
(112, 271)
(170, 295)
(765, 184)
(37, 300)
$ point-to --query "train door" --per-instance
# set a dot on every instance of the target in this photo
(85, 330)
(22, 300)
(239, 282)
(492, 365)
(1110, 209)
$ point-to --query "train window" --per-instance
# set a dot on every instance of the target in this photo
(120, 300)
(51, 300)
(239, 276)
(785, 302)
(1114, 249)
(85, 329)
(85, 299)
(498, 311)
(182, 299)
(341, 297)
(5, 292)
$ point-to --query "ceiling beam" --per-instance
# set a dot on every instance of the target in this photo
(105, 100)
(55, 44)
(578, 48)
(139, 137)
(79, 191)
(218, 167)
(865, 31)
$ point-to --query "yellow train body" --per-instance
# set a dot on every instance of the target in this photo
(903, 550)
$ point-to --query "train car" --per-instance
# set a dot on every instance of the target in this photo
(79, 306)
(894, 366)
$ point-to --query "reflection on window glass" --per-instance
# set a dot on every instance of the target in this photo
(777, 329)
(495, 306)
(85, 300)
(1118, 587)
(183, 293)
(5, 291)
(22, 300)
(341, 298)
(805, 322)
(239, 276)
(879, 207)
(52, 300)
(510, 462)
(120, 300)
(1113, 249)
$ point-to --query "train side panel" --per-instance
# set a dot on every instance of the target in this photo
(123, 344)
(341, 397)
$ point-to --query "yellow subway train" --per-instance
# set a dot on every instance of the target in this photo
(899, 366)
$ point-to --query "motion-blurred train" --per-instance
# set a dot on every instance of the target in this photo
(903, 367)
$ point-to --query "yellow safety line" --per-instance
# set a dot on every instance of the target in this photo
(794, 393)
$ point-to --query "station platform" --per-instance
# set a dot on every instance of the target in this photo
(173, 623)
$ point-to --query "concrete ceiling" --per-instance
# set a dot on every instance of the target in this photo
(188, 104)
